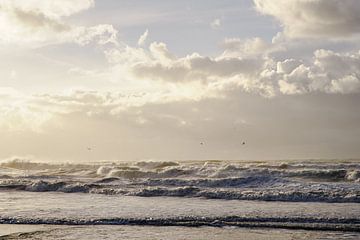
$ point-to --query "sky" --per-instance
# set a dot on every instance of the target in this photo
(94, 80)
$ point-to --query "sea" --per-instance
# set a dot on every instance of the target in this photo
(293, 199)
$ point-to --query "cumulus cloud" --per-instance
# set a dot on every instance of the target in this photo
(39, 23)
(339, 73)
(160, 53)
(328, 72)
(314, 18)
(244, 65)
(158, 63)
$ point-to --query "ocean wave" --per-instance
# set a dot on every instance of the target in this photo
(22, 164)
(291, 195)
(130, 173)
(42, 186)
(353, 175)
(202, 189)
(290, 181)
(211, 169)
(329, 224)
(135, 172)
(156, 164)
(250, 181)
(328, 174)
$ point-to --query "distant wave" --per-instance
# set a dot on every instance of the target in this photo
(151, 169)
(330, 224)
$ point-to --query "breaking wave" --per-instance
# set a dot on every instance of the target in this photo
(317, 181)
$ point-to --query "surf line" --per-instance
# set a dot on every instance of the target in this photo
(318, 224)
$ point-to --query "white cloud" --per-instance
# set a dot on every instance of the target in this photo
(160, 53)
(101, 34)
(314, 18)
(347, 84)
(245, 65)
(143, 37)
(158, 63)
(50, 9)
(328, 72)
(36, 23)
(287, 66)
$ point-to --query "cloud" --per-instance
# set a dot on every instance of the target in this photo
(329, 72)
(17, 115)
(338, 73)
(235, 47)
(165, 129)
(31, 112)
(37, 20)
(158, 63)
(314, 18)
(216, 23)
(245, 65)
(143, 37)
(51, 9)
(37, 23)
(101, 34)
(163, 103)
(160, 53)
